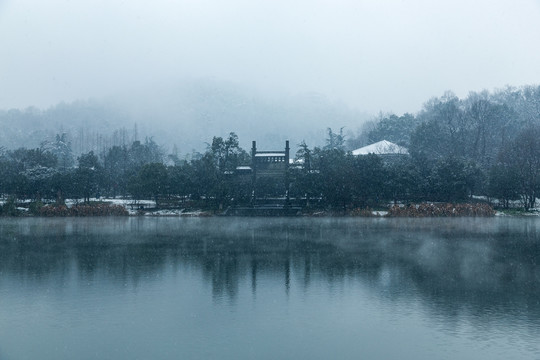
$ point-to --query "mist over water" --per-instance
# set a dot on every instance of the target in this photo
(220, 288)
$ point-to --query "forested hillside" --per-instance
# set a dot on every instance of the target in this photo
(476, 127)
(88, 125)
(185, 115)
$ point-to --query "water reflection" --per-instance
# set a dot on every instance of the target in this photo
(485, 268)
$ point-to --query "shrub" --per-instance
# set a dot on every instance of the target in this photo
(441, 210)
(84, 210)
(10, 207)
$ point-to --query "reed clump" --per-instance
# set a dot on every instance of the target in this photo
(81, 210)
(441, 210)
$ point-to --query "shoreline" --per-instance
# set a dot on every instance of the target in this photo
(121, 207)
(326, 215)
(320, 214)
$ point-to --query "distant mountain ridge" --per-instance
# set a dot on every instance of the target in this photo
(187, 115)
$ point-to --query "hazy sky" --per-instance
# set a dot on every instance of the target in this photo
(387, 55)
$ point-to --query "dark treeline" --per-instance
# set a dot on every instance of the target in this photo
(487, 144)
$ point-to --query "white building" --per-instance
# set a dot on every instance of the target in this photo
(382, 147)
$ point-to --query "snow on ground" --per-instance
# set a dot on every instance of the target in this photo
(175, 212)
(124, 202)
(133, 207)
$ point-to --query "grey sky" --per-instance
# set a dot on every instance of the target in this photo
(385, 55)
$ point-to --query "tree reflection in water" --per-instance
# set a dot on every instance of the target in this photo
(486, 267)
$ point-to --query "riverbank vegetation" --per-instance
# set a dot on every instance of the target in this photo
(441, 210)
(95, 209)
(484, 148)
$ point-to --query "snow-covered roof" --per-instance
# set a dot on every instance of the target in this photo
(382, 147)
(270, 154)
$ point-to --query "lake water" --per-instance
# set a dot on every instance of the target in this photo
(269, 288)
